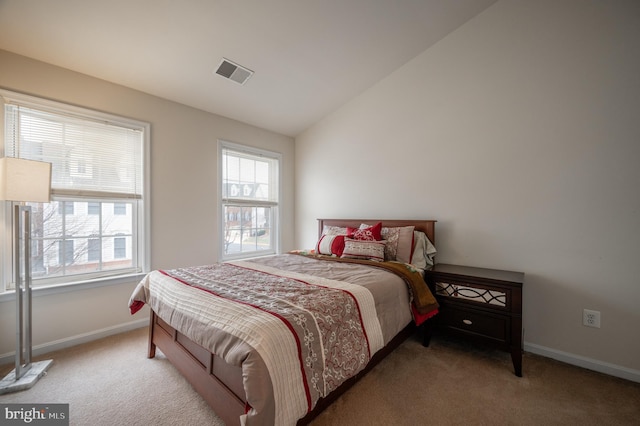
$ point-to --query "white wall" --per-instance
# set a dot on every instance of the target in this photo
(184, 213)
(520, 134)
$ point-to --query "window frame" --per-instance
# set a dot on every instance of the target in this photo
(276, 206)
(141, 223)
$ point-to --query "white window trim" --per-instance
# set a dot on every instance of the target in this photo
(222, 144)
(144, 217)
(76, 286)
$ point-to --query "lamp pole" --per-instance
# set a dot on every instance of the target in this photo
(23, 181)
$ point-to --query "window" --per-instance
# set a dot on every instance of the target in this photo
(119, 209)
(249, 201)
(66, 208)
(119, 248)
(94, 227)
(94, 208)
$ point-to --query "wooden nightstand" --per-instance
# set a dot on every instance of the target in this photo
(483, 304)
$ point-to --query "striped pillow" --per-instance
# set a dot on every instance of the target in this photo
(330, 244)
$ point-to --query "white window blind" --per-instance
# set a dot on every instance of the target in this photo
(89, 158)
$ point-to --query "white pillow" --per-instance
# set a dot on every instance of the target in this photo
(334, 230)
(423, 252)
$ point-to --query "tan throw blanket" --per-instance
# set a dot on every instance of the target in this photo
(423, 301)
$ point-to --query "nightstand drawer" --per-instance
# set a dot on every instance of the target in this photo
(484, 295)
(475, 322)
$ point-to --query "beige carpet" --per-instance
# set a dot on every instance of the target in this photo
(111, 382)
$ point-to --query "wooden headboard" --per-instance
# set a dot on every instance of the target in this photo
(426, 226)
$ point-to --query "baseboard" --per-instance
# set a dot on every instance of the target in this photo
(569, 358)
(584, 362)
(78, 339)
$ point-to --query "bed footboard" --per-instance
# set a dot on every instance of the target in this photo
(219, 383)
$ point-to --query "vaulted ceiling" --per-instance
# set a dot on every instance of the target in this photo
(309, 57)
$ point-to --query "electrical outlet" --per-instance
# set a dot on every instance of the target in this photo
(591, 318)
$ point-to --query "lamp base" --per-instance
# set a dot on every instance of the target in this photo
(10, 384)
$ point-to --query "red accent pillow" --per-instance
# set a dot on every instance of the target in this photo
(372, 233)
(331, 245)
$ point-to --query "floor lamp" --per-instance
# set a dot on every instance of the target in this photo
(23, 181)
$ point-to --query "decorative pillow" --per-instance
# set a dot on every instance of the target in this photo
(363, 249)
(368, 233)
(399, 243)
(330, 244)
(334, 230)
(423, 252)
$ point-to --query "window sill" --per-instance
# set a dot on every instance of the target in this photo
(76, 286)
(247, 256)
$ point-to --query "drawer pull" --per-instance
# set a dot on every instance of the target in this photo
(468, 322)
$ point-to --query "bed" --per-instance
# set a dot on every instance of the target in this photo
(275, 340)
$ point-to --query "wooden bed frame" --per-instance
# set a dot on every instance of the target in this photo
(220, 384)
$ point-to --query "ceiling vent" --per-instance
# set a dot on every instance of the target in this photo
(233, 71)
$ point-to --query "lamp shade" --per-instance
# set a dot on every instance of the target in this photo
(25, 180)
